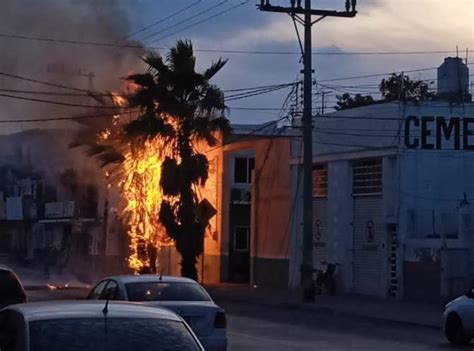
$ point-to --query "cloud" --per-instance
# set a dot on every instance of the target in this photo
(383, 25)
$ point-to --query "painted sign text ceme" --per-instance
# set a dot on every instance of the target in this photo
(439, 133)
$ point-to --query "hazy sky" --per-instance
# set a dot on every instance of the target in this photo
(381, 25)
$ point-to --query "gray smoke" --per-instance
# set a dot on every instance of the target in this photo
(67, 64)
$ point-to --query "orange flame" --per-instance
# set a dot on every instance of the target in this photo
(142, 192)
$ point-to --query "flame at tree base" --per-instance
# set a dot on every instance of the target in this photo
(143, 195)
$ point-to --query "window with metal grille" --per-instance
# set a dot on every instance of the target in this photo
(320, 180)
(367, 177)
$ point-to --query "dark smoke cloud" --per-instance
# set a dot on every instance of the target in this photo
(86, 20)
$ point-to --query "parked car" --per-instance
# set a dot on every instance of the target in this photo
(11, 290)
(181, 295)
(93, 325)
(458, 319)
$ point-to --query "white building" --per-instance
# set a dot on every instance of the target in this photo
(393, 199)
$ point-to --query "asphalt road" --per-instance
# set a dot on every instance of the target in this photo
(254, 327)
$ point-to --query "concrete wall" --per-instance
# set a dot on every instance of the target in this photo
(340, 230)
(270, 208)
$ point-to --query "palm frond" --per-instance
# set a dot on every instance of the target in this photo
(149, 125)
(214, 69)
(212, 101)
(110, 157)
(222, 125)
(144, 80)
(181, 58)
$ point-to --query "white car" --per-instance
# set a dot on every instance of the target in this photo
(93, 325)
(181, 295)
(458, 319)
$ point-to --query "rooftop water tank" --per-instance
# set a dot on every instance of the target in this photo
(453, 80)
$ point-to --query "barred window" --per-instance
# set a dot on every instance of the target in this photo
(367, 177)
(320, 180)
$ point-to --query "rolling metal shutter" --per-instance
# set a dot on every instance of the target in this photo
(368, 239)
(320, 231)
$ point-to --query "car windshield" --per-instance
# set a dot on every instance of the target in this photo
(156, 291)
(10, 288)
(117, 334)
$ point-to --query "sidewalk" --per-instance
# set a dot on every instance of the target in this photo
(348, 306)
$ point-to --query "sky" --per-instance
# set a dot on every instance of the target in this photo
(380, 26)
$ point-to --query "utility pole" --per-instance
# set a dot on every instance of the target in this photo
(304, 17)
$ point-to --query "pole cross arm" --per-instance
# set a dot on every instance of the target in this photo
(301, 11)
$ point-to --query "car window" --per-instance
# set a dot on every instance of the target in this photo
(117, 334)
(110, 291)
(95, 293)
(156, 291)
(10, 288)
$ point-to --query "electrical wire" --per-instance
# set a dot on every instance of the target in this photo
(58, 102)
(14, 76)
(384, 74)
(161, 20)
(201, 21)
(69, 118)
(184, 21)
(222, 51)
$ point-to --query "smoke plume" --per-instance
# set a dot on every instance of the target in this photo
(81, 66)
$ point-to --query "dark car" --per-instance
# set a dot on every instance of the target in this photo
(93, 325)
(11, 290)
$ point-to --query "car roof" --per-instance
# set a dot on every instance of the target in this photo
(142, 278)
(5, 268)
(90, 309)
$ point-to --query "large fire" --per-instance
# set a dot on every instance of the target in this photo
(139, 186)
(143, 196)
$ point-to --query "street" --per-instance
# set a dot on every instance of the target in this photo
(253, 327)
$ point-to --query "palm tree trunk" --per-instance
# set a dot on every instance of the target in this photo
(188, 267)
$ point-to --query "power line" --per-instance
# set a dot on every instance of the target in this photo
(53, 93)
(185, 20)
(259, 87)
(223, 51)
(254, 93)
(202, 21)
(161, 20)
(69, 118)
(384, 74)
(58, 102)
(14, 76)
(89, 93)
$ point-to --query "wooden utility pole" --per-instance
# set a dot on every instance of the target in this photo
(295, 10)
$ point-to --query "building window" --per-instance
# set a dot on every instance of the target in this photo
(241, 238)
(367, 177)
(320, 180)
(243, 167)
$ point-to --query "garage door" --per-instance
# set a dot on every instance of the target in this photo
(368, 239)
(320, 231)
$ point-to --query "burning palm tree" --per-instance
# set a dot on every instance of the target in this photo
(160, 167)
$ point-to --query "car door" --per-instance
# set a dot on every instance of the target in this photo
(97, 291)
